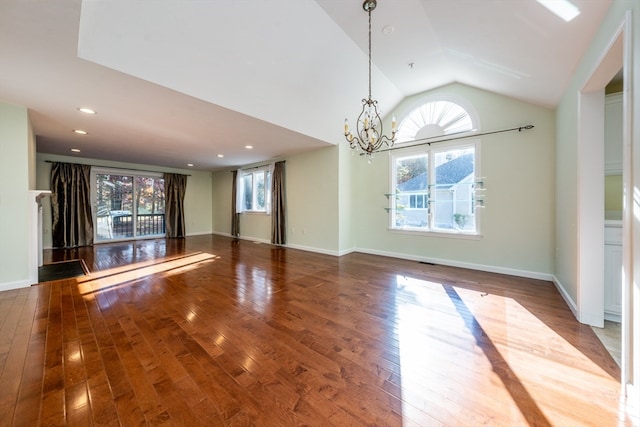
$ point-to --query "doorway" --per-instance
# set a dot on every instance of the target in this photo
(616, 56)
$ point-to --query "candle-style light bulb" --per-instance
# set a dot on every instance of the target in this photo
(393, 124)
(346, 127)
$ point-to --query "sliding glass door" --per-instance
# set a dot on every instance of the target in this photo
(127, 205)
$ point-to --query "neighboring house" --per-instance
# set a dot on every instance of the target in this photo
(453, 196)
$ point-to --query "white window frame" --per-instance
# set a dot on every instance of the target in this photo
(430, 151)
(267, 172)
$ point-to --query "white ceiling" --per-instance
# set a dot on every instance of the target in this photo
(177, 82)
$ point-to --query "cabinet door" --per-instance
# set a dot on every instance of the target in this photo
(613, 279)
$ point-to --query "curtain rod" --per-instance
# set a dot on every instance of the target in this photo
(110, 167)
(258, 167)
(452, 137)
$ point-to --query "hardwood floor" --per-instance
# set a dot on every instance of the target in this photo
(218, 332)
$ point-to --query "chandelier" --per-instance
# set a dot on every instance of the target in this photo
(369, 136)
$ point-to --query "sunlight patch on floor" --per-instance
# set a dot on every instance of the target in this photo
(526, 361)
(109, 279)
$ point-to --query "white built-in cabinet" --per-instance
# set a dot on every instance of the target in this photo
(613, 270)
(613, 223)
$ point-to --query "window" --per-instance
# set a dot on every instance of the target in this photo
(255, 190)
(433, 189)
(436, 117)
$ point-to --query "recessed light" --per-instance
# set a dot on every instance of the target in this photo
(248, 147)
(75, 150)
(86, 110)
(80, 131)
(190, 165)
(220, 155)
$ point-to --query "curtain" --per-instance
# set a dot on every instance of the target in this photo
(235, 215)
(278, 205)
(72, 221)
(175, 186)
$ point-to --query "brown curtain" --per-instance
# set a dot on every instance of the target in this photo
(235, 216)
(72, 221)
(175, 186)
(278, 205)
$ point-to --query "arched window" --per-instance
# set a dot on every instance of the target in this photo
(433, 186)
(435, 118)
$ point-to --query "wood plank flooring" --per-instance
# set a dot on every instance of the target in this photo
(219, 332)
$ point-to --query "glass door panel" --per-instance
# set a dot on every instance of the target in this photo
(150, 206)
(114, 204)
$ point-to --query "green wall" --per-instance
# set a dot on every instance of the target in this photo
(516, 224)
(16, 179)
(613, 193)
(336, 199)
(313, 211)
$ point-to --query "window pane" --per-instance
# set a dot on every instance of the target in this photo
(259, 191)
(150, 206)
(248, 191)
(411, 179)
(452, 194)
(267, 190)
(114, 206)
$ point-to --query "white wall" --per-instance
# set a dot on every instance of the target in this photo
(519, 170)
(16, 148)
(197, 200)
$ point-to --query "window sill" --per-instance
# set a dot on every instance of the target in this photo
(432, 233)
(255, 213)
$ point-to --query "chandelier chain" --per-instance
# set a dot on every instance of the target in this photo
(369, 53)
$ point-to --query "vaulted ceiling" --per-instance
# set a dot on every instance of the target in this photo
(177, 82)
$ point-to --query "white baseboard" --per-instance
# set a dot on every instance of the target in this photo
(7, 286)
(199, 233)
(613, 317)
(250, 239)
(316, 250)
(567, 298)
(289, 245)
(462, 264)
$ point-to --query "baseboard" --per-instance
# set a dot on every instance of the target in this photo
(250, 239)
(567, 298)
(613, 317)
(15, 285)
(290, 245)
(461, 264)
(200, 233)
(316, 250)
(219, 233)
